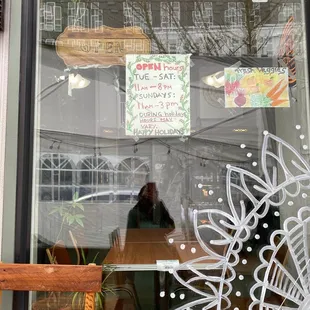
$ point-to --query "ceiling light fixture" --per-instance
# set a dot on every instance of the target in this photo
(217, 79)
(240, 130)
(76, 82)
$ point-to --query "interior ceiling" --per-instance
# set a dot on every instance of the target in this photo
(211, 120)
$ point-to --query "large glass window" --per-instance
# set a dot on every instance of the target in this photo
(172, 147)
(132, 172)
(57, 177)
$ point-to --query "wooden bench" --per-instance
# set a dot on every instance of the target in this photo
(53, 278)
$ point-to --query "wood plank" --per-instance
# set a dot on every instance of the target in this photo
(50, 278)
(101, 46)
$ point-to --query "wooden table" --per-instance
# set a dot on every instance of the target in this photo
(143, 247)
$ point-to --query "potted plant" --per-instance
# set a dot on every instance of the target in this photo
(72, 214)
(79, 298)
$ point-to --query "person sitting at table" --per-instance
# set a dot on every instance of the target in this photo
(150, 211)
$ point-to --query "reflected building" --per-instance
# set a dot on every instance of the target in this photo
(83, 146)
(197, 27)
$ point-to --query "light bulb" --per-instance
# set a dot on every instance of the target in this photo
(210, 81)
(82, 84)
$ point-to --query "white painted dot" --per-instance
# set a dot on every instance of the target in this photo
(305, 147)
(241, 277)
(172, 295)
(257, 236)
(170, 240)
(298, 127)
(277, 213)
(199, 185)
(244, 261)
(249, 155)
(254, 163)
(290, 203)
(220, 200)
(182, 296)
(236, 308)
(304, 195)
(238, 294)
(265, 133)
(162, 294)
(302, 137)
(228, 166)
(249, 249)
(265, 225)
(211, 192)
(193, 250)
(243, 146)
(182, 246)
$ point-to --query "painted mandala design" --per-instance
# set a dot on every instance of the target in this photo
(231, 228)
(275, 282)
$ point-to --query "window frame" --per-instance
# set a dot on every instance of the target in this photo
(25, 114)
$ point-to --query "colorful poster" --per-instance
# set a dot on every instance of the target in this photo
(256, 88)
(157, 95)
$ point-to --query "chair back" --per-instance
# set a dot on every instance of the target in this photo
(115, 239)
(276, 274)
(53, 278)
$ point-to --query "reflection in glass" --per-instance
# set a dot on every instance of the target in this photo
(95, 179)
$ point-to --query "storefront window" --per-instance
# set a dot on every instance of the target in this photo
(172, 147)
(56, 177)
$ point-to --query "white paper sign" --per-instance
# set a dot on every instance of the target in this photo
(157, 95)
(166, 265)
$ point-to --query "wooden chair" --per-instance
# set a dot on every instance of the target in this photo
(282, 257)
(53, 278)
(115, 239)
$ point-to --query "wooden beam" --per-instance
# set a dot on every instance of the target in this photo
(50, 278)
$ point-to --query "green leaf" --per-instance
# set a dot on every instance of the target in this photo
(83, 256)
(62, 213)
(94, 259)
(70, 219)
(108, 290)
(79, 216)
(80, 206)
(79, 221)
(76, 295)
(99, 301)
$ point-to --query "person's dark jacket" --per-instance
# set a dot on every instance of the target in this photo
(145, 214)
